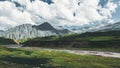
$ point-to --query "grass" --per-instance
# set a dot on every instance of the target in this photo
(5, 41)
(99, 38)
(97, 41)
(22, 58)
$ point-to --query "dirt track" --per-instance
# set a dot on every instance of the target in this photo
(79, 52)
(82, 52)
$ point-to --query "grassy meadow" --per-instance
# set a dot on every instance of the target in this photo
(97, 41)
(22, 58)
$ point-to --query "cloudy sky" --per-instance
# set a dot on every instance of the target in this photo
(57, 12)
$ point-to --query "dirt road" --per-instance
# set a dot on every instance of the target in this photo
(80, 52)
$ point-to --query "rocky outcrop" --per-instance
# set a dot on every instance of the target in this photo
(31, 31)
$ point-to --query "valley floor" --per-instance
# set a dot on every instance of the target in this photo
(87, 51)
(50, 58)
(79, 52)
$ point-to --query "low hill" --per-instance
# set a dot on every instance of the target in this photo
(108, 39)
(6, 41)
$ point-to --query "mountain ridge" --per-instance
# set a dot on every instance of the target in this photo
(31, 31)
(111, 27)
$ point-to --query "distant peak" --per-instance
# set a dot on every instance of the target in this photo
(48, 1)
(45, 23)
(1, 31)
(44, 26)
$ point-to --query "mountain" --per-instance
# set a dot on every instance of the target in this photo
(91, 27)
(111, 27)
(46, 27)
(1, 33)
(31, 31)
(99, 28)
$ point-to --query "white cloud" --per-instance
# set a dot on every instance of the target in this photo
(110, 8)
(61, 12)
(10, 15)
(6, 20)
(119, 3)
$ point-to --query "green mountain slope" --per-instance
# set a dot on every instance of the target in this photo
(6, 41)
(90, 39)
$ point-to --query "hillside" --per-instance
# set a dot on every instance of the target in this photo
(6, 41)
(26, 31)
(111, 27)
(1, 33)
(86, 40)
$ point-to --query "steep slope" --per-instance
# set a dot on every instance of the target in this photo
(1, 33)
(86, 40)
(31, 31)
(6, 41)
(46, 27)
(26, 31)
(111, 27)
